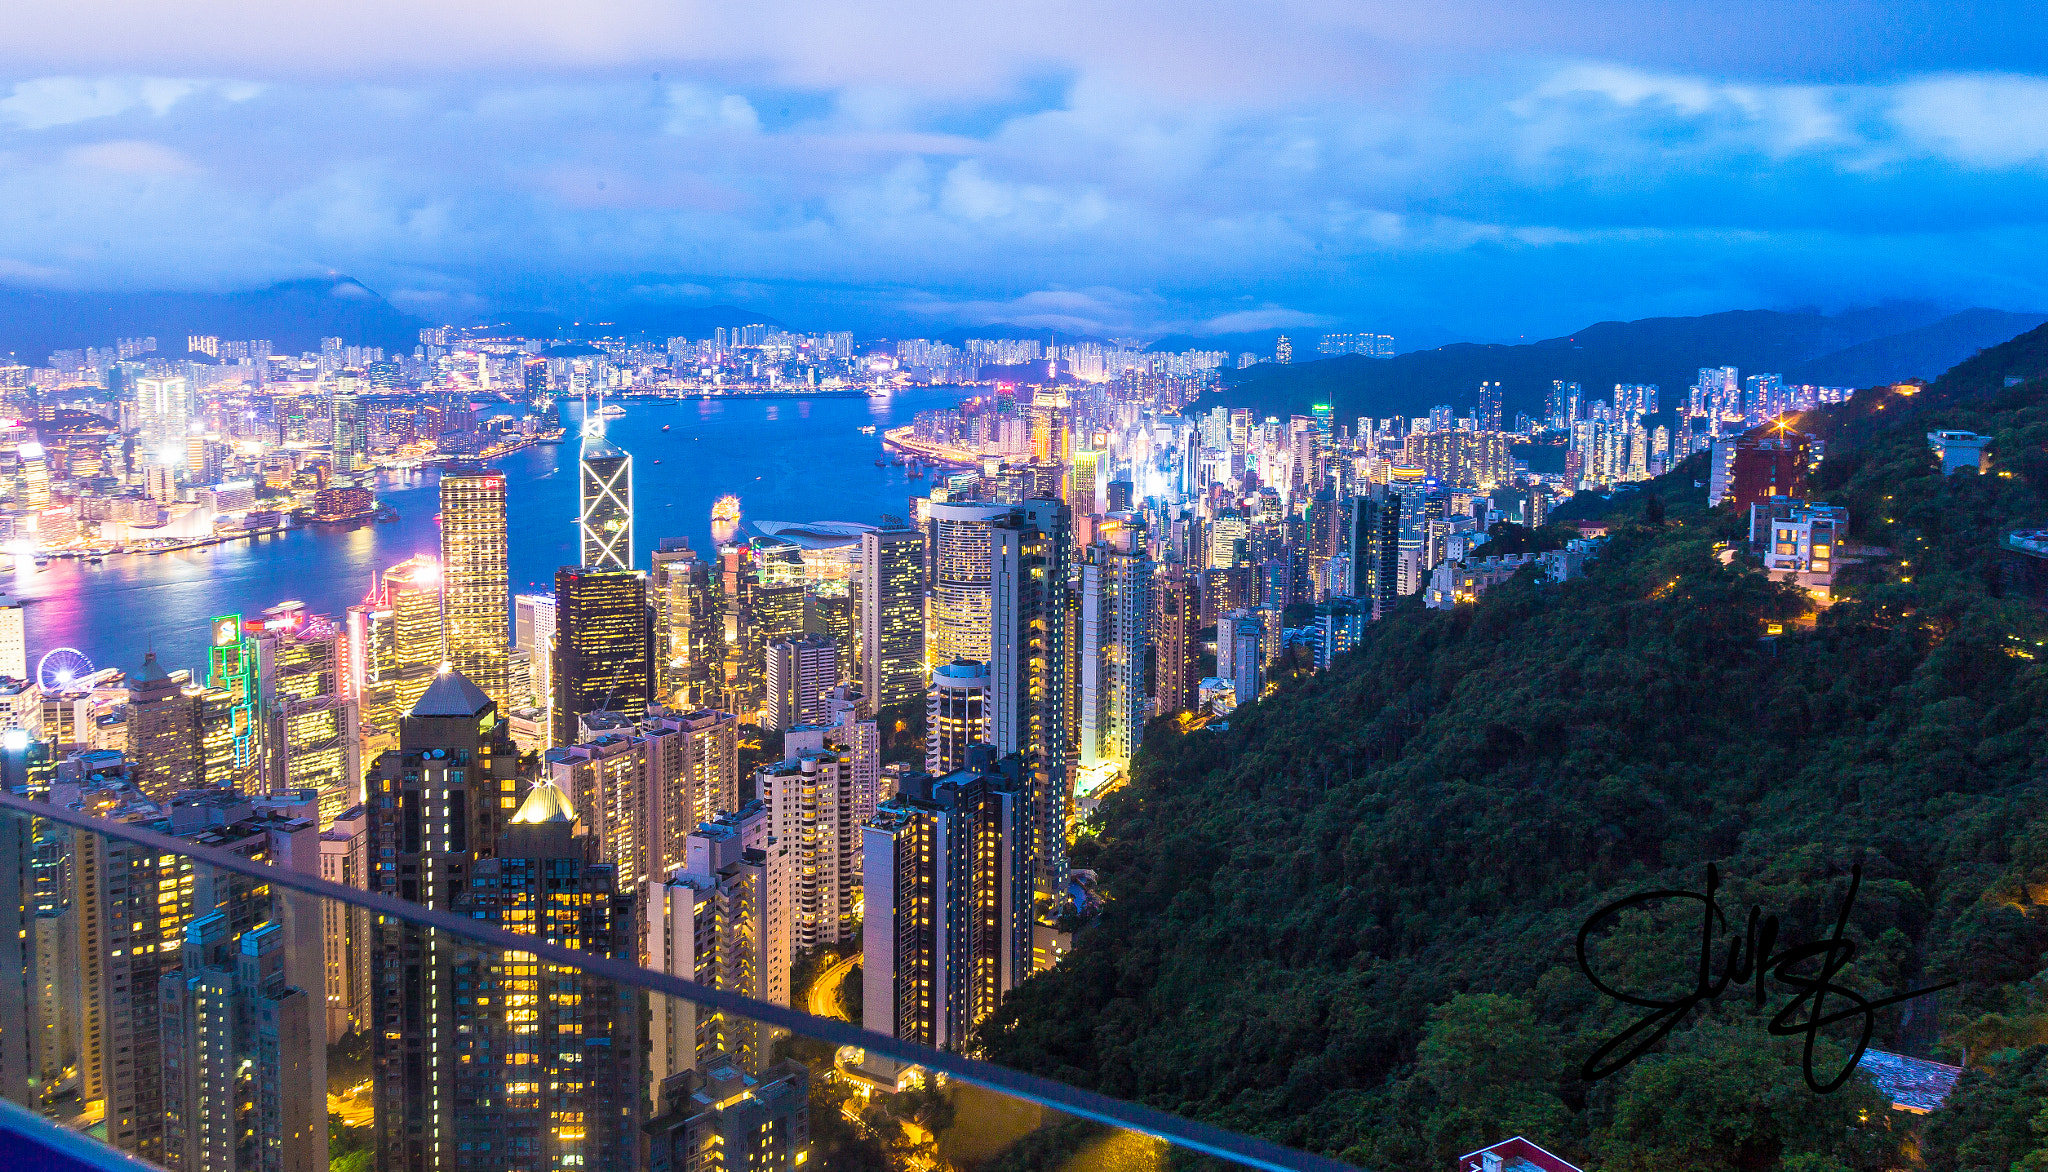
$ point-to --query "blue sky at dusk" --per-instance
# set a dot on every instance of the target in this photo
(1443, 170)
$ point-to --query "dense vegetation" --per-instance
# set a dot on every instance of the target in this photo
(1347, 922)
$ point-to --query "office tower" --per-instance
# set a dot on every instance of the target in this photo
(230, 733)
(688, 648)
(720, 918)
(946, 923)
(345, 930)
(1486, 410)
(162, 406)
(1030, 676)
(1240, 652)
(812, 803)
(801, 674)
(546, 1061)
(311, 735)
(1229, 533)
(720, 1118)
(892, 616)
(350, 435)
(437, 805)
(21, 1067)
(958, 624)
(1375, 551)
(1082, 477)
(604, 646)
(534, 631)
(13, 639)
(475, 605)
(956, 715)
(1177, 638)
(1116, 612)
(605, 520)
(243, 1059)
(163, 732)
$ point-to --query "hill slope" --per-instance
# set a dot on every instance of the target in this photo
(1347, 922)
(293, 315)
(1664, 351)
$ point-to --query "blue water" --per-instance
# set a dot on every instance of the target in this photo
(799, 460)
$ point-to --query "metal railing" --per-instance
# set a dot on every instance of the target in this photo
(1085, 1104)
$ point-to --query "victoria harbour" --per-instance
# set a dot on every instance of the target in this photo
(795, 459)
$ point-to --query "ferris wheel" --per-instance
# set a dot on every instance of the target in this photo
(62, 668)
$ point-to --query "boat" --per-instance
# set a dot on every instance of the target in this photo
(657, 461)
(726, 509)
(611, 411)
(867, 430)
(664, 427)
(386, 513)
(881, 463)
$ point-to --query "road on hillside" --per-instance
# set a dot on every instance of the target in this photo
(824, 1000)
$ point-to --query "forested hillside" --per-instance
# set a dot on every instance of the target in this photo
(1347, 923)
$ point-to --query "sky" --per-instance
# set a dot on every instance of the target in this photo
(1459, 169)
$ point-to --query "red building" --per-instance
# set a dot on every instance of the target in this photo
(1763, 462)
(1513, 1155)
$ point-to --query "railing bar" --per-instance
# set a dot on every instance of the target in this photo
(1093, 1105)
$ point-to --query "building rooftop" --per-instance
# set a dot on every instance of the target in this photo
(544, 803)
(451, 694)
(1912, 1084)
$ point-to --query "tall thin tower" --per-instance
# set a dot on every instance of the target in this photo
(605, 522)
(476, 593)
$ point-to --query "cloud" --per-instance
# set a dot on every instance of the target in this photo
(129, 157)
(40, 103)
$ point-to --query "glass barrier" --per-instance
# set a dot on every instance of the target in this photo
(211, 990)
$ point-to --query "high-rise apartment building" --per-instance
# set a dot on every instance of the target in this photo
(1177, 638)
(1116, 613)
(605, 519)
(722, 1118)
(639, 789)
(1031, 676)
(721, 918)
(476, 606)
(604, 646)
(345, 930)
(813, 805)
(1375, 544)
(892, 616)
(800, 676)
(946, 908)
(957, 711)
(243, 1062)
(533, 628)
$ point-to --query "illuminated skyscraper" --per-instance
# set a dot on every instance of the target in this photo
(1177, 623)
(800, 674)
(1116, 614)
(956, 715)
(958, 616)
(13, 639)
(604, 646)
(163, 732)
(946, 917)
(1030, 659)
(605, 520)
(229, 729)
(475, 588)
(350, 442)
(892, 616)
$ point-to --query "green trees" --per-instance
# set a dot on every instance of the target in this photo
(1346, 923)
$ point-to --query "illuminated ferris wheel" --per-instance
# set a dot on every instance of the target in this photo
(62, 668)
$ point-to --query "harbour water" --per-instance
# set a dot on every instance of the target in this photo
(791, 460)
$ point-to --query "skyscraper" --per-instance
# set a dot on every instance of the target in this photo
(1030, 658)
(604, 646)
(801, 673)
(1116, 613)
(892, 616)
(1376, 551)
(1177, 624)
(814, 805)
(1486, 411)
(959, 617)
(163, 732)
(475, 589)
(605, 519)
(946, 914)
(350, 437)
(956, 715)
(13, 639)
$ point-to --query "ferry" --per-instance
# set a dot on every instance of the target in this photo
(868, 430)
(664, 427)
(611, 411)
(727, 509)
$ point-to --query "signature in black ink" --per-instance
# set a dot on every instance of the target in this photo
(1749, 959)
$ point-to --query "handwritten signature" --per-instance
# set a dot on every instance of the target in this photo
(1749, 958)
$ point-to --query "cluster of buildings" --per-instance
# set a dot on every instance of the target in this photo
(1086, 558)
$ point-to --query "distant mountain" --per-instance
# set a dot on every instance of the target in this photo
(647, 317)
(1922, 353)
(293, 315)
(1861, 347)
